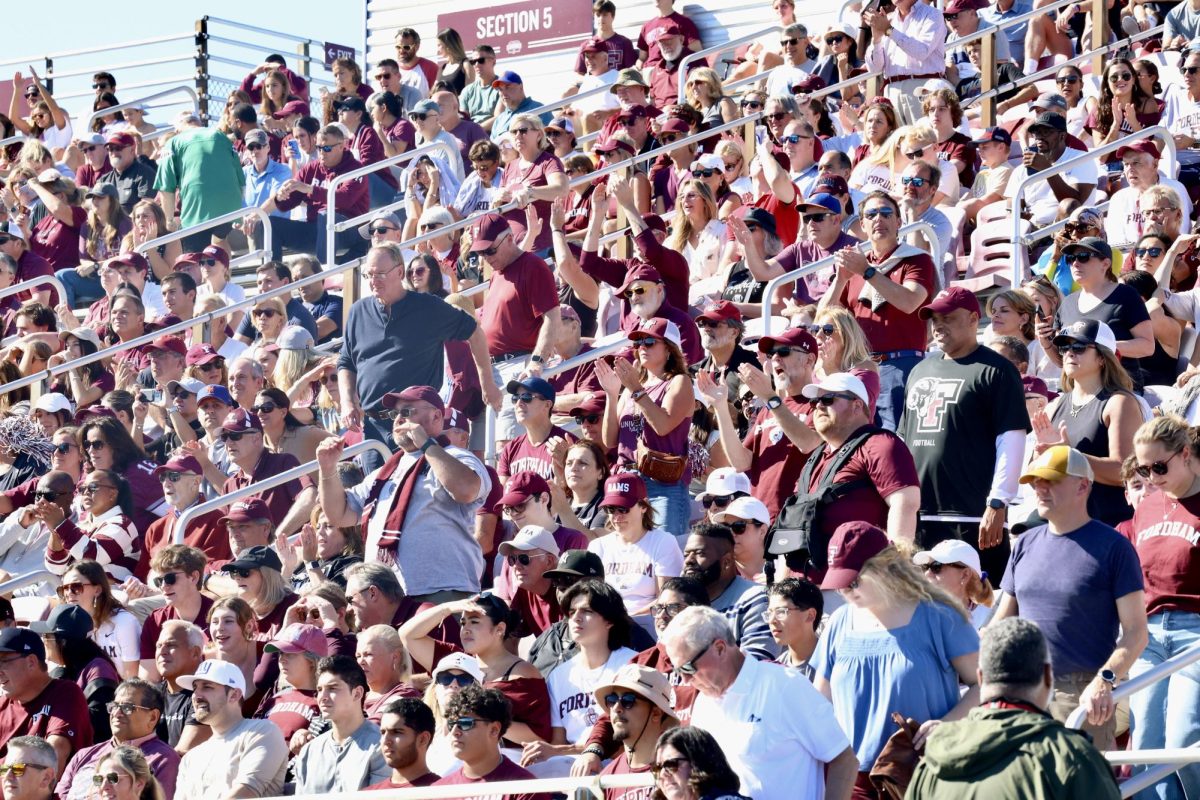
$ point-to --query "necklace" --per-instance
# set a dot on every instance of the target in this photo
(1075, 409)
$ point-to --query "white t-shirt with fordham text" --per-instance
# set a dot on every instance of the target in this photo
(631, 569)
(571, 687)
(1181, 114)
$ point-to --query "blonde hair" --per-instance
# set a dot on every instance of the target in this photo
(1168, 430)
(708, 77)
(534, 122)
(389, 636)
(898, 579)
(681, 227)
(274, 590)
(727, 148)
(132, 761)
(289, 366)
(855, 348)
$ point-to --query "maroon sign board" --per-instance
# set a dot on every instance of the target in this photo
(335, 51)
(525, 28)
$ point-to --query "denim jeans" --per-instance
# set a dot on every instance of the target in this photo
(672, 507)
(307, 237)
(893, 375)
(1167, 714)
(382, 193)
(80, 291)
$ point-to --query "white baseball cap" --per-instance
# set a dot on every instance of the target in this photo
(950, 551)
(711, 161)
(745, 508)
(221, 673)
(754, 331)
(724, 481)
(531, 537)
(54, 403)
(838, 382)
(932, 85)
(461, 662)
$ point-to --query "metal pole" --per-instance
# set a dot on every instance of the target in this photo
(202, 68)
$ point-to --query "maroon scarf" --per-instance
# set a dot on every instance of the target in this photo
(393, 525)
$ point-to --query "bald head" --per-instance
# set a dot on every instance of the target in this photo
(448, 105)
(56, 481)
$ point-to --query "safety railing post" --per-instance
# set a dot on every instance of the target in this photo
(202, 68)
(302, 51)
(1148, 678)
(1100, 31)
(987, 74)
(48, 74)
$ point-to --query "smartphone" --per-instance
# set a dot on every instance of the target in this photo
(294, 148)
(1040, 314)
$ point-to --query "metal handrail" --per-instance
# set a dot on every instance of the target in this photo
(1020, 255)
(217, 503)
(986, 29)
(232, 216)
(595, 785)
(17, 288)
(1147, 678)
(716, 49)
(108, 48)
(1168, 760)
(264, 31)
(332, 226)
(1055, 227)
(16, 137)
(171, 81)
(768, 293)
(28, 579)
(128, 65)
(566, 101)
(104, 112)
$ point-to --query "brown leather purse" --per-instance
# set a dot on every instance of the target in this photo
(893, 769)
(659, 466)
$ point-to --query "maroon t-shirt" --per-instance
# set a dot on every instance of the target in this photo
(153, 625)
(960, 146)
(620, 766)
(516, 176)
(506, 770)
(652, 31)
(29, 266)
(58, 242)
(367, 147)
(428, 779)
(271, 624)
(206, 533)
(621, 54)
(279, 499)
(806, 251)
(1167, 538)
(87, 175)
(374, 708)
(888, 328)
(516, 300)
(522, 455)
(147, 491)
(538, 611)
(775, 461)
(353, 198)
(664, 84)
(403, 131)
(291, 711)
(467, 132)
(59, 710)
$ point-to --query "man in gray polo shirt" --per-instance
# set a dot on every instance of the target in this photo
(346, 757)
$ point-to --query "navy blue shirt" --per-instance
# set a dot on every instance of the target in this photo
(297, 313)
(328, 305)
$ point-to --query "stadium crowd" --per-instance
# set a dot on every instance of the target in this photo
(883, 542)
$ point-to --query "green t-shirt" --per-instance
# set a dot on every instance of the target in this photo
(203, 167)
(479, 101)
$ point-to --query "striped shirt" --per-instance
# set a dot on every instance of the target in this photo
(110, 539)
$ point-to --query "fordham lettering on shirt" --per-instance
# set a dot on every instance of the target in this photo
(630, 569)
(306, 711)
(1179, 530)
(577, 701)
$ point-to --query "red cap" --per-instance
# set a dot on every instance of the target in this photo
(669, 28)
(655, 223)
(201, 354)
(612, 146)
(640, 271)
(1140, 146)
(949, 300)
(457, 420)
(955, 6)
(792, 337)
(675, 125)
(212, 251)
(182, 462)
(121, 139)
(248, 511)
(240, 420)
(487, 230)
(594, 45)
(187, 258)
(415, 394)
(132, 259)
(624, 490)
(521, 487)
(852, 545)
(633, 112)
(594, 404)
(809, 83)
(720, 311)
(658, 328)
(1035, 385)
(291, 107)
(173, 343)
(299, 638)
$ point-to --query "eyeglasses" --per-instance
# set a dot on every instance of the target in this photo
(1158, 467)
(92, 488)
(239, 572)
(73, 588)
(491, 251)
(1067, 79)
(777, 116)
(822, 330)
(708, 323)
(49, 496)
(753, 105)
(523, 559)
(326, 148)
(829, 399)
(104, 87)
(417, 272)
(590, 419)
(937, 568)
(1152, 252)
(452, 679)
(950, 17)
(720, 502)
(738, 527)
(255, 146)
(788, 42)
(782, 351)
(670, 765)
(644, 344)
(208, 262)
(94, 444)
(267, 407)
(232, 436)
(520, 131)
(627, 700)
(636, 290)
(909, 180)
(87, 148)
(667, 609)
(403, 412)
(524, 397)
(836, 39)
(792, 138)
(1078, 257)
(124, 709)
(886, 213)
(477, 61)
(18, 769)
(1158, 212)
(780, 614)
(1073, 347)
(1120, 76)
(614, 510)
(383, 76)
(668, 138)
(171, 477)
(112, 778)
(703, 173)
(264, 312)
(818, 218)
(689, 668)
(464, 724)
(165, 580)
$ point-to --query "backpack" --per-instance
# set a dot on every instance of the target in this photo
(797, 531)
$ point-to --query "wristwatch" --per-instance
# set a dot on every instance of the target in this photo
(869, 273)
(996, 503)
(430, 442)
(314, 565)
(1108, 676)
(774, 402)
(535, 358)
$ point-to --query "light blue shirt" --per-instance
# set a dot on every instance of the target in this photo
(1015, 34)
(261, 187)
(504, 118)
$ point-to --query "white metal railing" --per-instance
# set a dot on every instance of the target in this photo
(104, 112)
(725, 47)
(535, 787)
(1147, 678)
(773, 284)
(1020, 254)
(53, 280)
(333, 227)
(16, 137)
(238, 215)
(110, 48)
(217, 503)
(566, 101)
(987, 29)
(1055, 227)
(28, 579)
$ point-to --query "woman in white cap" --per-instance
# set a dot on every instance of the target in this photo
(709, 169)
(954, 565)
(842, 61)
(453, 673)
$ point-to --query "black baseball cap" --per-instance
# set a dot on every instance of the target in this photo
(1049, 119)
(255, 557)
(994, 134)
(577, 564)
(22, 641)
(69, 621)
(1093, 244)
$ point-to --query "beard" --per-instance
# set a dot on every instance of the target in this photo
(706, 575)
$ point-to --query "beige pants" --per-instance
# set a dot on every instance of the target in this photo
(903, 95)
(1067, 689)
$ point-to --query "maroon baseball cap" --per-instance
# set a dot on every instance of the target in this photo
(640, 271)
(299, 638)
(521, 487)
(949, 300)
(655, 223)
(852, 545)
(670, 28)
(792, 337)
(809, 83)
(240, 420)
(186, 259)
(633, 112)
(1141, 146)
(595, 403)
(675, 125)
(415, 394)
(720, 311)
(955, 6)
(173, 343)
(252, 510)
(212, 251)
(623, 490)
(132, 259)
(291, 107)
(457, 420)
(594, 45)
(201, 354)
(121, 139)
(487, 230)
(180, 462)
(1035, 385)
(613, 146)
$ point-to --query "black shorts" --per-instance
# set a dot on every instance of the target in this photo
(198, 241)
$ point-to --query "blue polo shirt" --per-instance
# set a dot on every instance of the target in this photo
(261, 186)
(500, 126)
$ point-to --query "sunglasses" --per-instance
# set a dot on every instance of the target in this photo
(886, 213)
(627, 700)
(417, 116)
(937, 568)
(753, 105)
(788, 42)
(208, 262)
(464, 724)
(1189, 70)
(818, 218)
(1067, 79)
(385, 76)
(914, 182)
(644, 344)
(689, 668)
(1120, 76)
(1158, 467)
(826, 329)
(429, 226)
(670, 765)
(523, 559)
(404, 412)
(94, 444)
(477, 61)
(417, 272)
(92, 488)
(102, 86)
(165, 580)
(229, 436)
(777, 116)
(835, 40)
(491, 251)
(720, 502)
(1073, 347)
(255, 146)
(380, 230)
(659, 609)
(47, 495)
(590, 419)
(915, 154)
(172, 477)
(326, 148)
(668, 138)
(750, 226)
(112, 778)
(264, 312)
(73, 588)
(1153, 252)
(738, 527)
(523, 131)
(239, 572)
(637, 290)
(212, 366)
(783, 351)
(1078, 257)
(524, 397)
(265, 408)
(87, 148)
(708, 323)
(829, 399)
(703, 173)
(18, 769)
(450, 679)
